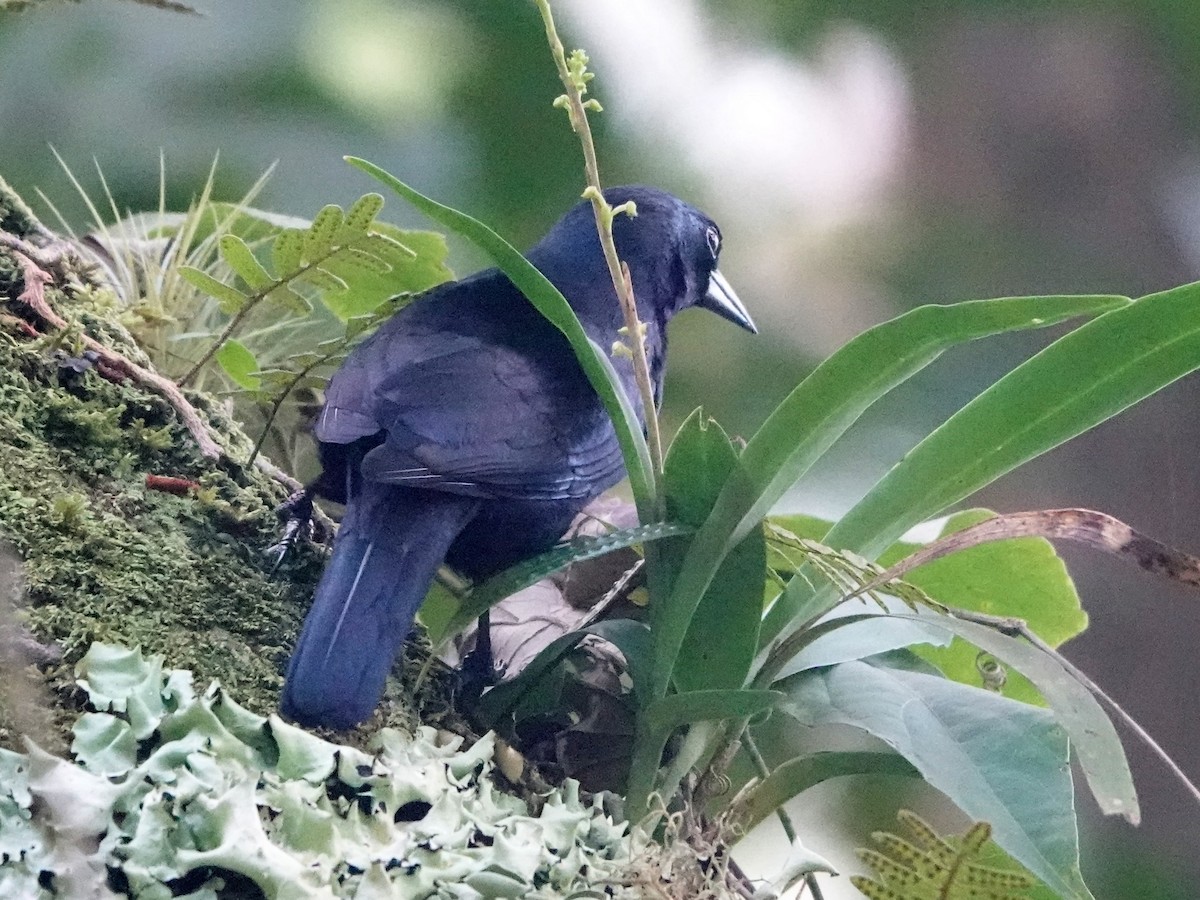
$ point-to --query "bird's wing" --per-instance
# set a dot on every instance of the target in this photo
(470, 416)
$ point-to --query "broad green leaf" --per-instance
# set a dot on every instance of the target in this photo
(998, 760)
(722, 636)
(239, 363)
(856, 630)
(828, 402)
(800, 773)
(531, 571)
(229, 299)
(1092, 734)
(1024, 578)
(241, 259)
(546, 297)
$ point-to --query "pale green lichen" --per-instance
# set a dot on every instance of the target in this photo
(169, 789)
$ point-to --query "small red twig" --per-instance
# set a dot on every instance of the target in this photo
(180, 487)
(115, 365)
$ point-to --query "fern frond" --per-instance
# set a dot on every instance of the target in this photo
(928, 866)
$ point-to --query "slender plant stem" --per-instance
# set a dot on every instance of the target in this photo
(764, 770)
(226, 333)
(577, 112)
(789, 828)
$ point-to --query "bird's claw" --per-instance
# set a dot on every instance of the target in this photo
(296, 513)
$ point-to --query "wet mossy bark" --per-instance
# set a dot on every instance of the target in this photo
(105, 557)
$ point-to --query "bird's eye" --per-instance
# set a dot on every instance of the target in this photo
(714, 241)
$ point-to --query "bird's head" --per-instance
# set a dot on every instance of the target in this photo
(678, 249)
(672, 250)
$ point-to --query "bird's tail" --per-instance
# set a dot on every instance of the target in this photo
(386, 554)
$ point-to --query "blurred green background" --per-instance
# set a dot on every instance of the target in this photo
(862, 157)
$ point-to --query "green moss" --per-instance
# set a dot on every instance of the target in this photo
(15, 217)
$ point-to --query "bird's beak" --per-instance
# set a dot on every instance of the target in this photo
(721, 299)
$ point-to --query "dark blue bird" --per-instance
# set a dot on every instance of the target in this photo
(464, 431)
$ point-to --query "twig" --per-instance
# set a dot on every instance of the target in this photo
(575, 84)
(34, 296)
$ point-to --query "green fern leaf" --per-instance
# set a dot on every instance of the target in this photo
(318, 240)
(229, 299)
(937, 868)
(387, 247)
(239, 257)
(304, 359)
(287, 253)
(365, 260)
(287, 298)
(360, 216)
(239, 364)
(325, 281)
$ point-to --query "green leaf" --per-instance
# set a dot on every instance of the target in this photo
(360, 216)
(416, 262)
(800, 773)
(543, 295)
(854, 631)
(287, 251)
(1079, 381)
(229, 299)
(239, 257)
(658, 720)
(999, 761)
(239, 364)
(820, 410)
(393, 244)
(290, 300)
(1092, 734)
(723, 631)
(676, 710)
(324, 280)
(1023, 578)
(361, 259)
(516, 578)
(318, 239)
